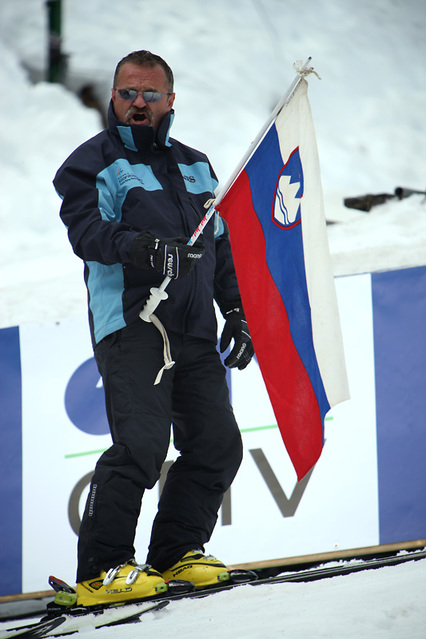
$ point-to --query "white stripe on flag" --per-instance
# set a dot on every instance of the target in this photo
(295, 128)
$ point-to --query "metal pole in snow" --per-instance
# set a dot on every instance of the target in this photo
(56, 59)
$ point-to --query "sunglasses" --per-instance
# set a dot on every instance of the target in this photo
(131, 94)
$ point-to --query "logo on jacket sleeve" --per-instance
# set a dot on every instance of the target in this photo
(286, 207)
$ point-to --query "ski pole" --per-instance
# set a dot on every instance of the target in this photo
(159, 294)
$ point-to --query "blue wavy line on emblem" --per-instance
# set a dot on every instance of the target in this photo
(286, 209)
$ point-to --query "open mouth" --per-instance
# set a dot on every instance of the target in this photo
(138, 117)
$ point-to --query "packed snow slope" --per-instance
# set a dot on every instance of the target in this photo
(377, 604)
(232, 62)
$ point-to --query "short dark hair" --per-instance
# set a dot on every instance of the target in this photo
(146, 59)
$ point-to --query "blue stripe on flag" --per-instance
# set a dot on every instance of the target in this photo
(10, 463)
(399, 312)
(285, 246)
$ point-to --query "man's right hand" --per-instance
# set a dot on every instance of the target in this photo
(170, 256)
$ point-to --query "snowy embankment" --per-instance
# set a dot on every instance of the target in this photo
(368, 113)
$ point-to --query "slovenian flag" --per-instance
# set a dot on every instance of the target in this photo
(274, 210)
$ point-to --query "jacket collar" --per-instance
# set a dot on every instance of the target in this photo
(137, 138)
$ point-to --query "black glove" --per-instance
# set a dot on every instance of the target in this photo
(236, 327)
(172, 257)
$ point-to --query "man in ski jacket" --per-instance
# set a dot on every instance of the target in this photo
(132, 197)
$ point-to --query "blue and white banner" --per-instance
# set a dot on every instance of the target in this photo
(368, 488)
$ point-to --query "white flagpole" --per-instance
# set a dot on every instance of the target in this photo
(159, 294)
(302, 71)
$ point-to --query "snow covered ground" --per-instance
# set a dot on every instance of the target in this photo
(232, 62)
(386, 603)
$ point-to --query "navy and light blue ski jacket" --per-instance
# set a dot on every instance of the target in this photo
(129, 179)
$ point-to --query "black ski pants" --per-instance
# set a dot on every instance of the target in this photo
(193, 399)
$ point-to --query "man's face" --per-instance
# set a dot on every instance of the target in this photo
(133, 76)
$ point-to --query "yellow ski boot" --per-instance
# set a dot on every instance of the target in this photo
(202, 570)
(126, 582)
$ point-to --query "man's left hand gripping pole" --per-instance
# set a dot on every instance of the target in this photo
(159, 294)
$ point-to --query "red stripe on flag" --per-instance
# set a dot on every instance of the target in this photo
(287, 382)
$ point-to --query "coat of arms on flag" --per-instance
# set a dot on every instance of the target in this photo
(288, 191)
(274, 209)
